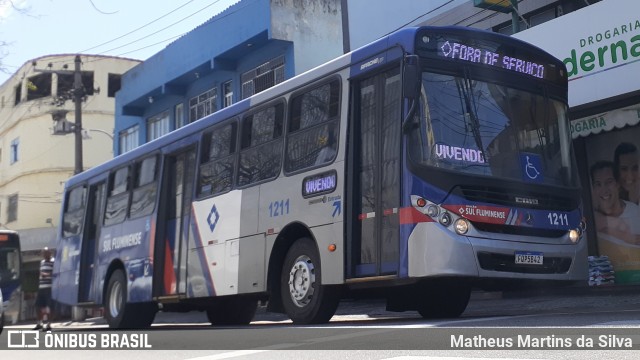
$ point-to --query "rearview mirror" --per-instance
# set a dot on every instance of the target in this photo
(411, 77)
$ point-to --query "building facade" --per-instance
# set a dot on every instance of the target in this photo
(35, 163)
(602, 54)
(247, 48)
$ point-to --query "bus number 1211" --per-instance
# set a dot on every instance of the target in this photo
(278, 208)
(558, 219)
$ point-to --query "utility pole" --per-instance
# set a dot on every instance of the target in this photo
(78, 93)
(61, 125)
(515, 19)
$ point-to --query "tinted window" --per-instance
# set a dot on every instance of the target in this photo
(312, 138)
(118, 200)
(143, 197)
(218, 160)
(261, 154)
(74, 212)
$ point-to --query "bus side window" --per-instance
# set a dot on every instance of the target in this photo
(73, 212)
(312, 131)
(218, 160)
(118, 200)
(261, 144)
(143, 197)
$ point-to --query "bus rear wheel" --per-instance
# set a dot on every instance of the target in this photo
(440, 300)
(305, 299)
(119, 313)
(232, 311)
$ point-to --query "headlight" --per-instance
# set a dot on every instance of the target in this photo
(574, 235)
(433, 211)
(461, 226)
(445, 219)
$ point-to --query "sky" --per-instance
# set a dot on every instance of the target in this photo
(133, 29)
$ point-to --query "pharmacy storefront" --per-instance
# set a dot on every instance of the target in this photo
(600, 44)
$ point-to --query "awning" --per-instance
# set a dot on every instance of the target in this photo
(37, 239)
(615, 119)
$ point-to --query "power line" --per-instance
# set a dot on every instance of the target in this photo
(163, 29)
(141, 27)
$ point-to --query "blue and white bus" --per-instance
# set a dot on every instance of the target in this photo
(429, 162)
(10, 279)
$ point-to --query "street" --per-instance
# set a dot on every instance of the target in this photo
(572, 326)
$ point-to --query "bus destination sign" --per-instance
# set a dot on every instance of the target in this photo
(459, 51)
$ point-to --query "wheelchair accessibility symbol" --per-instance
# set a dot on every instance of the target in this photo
(531, 165)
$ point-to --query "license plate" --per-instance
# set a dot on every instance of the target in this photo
(529, 258)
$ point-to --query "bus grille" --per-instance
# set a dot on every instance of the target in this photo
(506, 263)
(508, 197)
(518, 230)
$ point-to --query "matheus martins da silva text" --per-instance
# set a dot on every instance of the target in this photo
(542, 341)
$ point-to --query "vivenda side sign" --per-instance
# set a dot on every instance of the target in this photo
(599, 44)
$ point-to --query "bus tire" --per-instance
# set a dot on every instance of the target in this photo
(122, 315)
(232, 311)
(444, 301)
(305, 299)
(116, 300)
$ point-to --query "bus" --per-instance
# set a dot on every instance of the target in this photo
(10, 279)
(430, 162)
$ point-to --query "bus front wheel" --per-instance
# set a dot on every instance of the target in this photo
(305, 299)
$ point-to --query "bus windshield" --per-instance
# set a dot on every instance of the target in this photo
(482, 128)
(9, 263)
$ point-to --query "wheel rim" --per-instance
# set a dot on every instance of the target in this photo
(115, 299)
(302, 278)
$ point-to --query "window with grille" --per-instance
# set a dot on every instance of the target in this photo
(12, 209)
(15, 147)
(180, 119)
(129, 139)
(158, 125)
(227, 92)
(263, 77)
(203, 105)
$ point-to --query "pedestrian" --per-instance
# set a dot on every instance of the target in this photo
(43, 299)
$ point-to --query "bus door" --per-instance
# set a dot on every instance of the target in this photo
(174, 215)
(375, 168)
(91, 234)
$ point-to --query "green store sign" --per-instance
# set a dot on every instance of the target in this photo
(613, 50)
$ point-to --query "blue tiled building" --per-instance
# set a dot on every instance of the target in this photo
(250, 46)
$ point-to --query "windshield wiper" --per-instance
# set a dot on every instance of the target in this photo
(465, 89)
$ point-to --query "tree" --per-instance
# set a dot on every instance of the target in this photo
(6, 7)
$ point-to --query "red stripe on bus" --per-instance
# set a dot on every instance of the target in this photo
(169, 273)
(410, 215)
